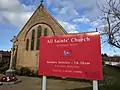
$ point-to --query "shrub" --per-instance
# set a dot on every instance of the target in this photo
(25, 71)
(3, 69)
(103, 63)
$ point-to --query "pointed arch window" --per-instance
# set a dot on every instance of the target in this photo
(39, 33)
(32, 39)
(45, 32)
(27, 44)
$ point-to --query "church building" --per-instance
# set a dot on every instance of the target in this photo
(26, 43)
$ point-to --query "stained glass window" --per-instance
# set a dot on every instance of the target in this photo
(27, 44)
(39, 32)
(32, 39)
(45, 32)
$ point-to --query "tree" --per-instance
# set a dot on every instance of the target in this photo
(105, 55)
(112, 18)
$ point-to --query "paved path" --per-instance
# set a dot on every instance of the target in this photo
(30, 83)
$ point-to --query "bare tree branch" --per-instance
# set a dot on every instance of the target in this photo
(112, 17)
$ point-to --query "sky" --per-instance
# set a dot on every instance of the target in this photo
(74, 15)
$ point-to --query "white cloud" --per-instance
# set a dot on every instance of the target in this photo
(49, 2)
(79, 11)
(14, 12)
(18, 14)
(91, 29)
(81, 20)
(99, 24)
(14, 6)
(68, 12)
(73, 9)
(17, 19)
(65, 9)
(70, 28)
(55, 9)
(9, 4)
(53, 2)
(95, 24)
(75, 5)
(1, 18)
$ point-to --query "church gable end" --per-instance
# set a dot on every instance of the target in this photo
(41, 23)
(41, 16)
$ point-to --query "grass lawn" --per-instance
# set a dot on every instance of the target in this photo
(111, 79)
